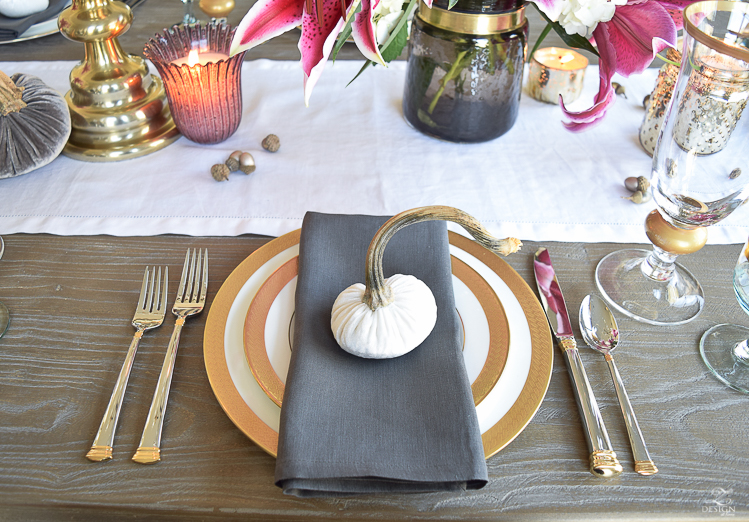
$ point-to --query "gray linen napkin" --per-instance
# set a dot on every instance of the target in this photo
(12, 28)
(351, 425)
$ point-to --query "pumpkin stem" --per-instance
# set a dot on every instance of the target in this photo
(377, 294)
(10, 96)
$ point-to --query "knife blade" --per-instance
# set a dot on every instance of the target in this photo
(603, 461)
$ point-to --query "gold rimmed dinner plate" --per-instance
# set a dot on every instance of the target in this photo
(269, 324)
(503, 413)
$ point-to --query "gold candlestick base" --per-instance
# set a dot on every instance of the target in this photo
(118, 110)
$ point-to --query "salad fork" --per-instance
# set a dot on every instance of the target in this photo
(149, 314)
(193, 287)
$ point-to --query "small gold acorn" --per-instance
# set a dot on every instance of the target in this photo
(220, 172)
(233, 161)
(271, 143)
(246, 163)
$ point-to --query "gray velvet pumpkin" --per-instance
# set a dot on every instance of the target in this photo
(34, 124)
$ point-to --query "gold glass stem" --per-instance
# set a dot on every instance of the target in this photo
(377, 294)
(673, 239)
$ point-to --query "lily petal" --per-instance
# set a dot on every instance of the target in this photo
(363, 31)
(580, 121)
(675, 8)
(316, 43)
(551, 8)
(265, 20)
(638, 32)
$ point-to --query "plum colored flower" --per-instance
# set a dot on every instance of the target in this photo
(321, 21)
(627, 43)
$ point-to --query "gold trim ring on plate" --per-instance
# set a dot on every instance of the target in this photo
(256, 349)
(473, 23)
(496, 437)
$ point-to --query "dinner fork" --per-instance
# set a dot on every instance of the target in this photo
(193, 287)
(149, 314)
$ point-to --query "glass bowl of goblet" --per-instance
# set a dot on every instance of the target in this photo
(697, 180)
(725, 347)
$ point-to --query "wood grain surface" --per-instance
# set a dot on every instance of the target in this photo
(72, 299)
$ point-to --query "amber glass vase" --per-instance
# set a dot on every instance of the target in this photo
(465, 69)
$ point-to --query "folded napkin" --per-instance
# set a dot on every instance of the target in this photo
(12, 28)
(351, 425)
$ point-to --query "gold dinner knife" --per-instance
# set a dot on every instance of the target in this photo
(603, 461)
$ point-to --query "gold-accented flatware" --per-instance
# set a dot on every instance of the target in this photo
(149, 314)
(601, 332)
(603, 461)
(191, 294)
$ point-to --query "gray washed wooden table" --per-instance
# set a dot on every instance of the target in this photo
(71, 299)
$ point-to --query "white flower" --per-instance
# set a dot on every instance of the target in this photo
(386, 7)
(582, 16)
(386, 16)
(384, 25)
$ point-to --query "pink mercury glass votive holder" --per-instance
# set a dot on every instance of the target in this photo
(205, 98)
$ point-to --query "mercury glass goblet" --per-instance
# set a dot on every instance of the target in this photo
(4, 314)
(725, 347)
(697, 179)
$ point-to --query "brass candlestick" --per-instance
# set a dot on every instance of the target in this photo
(118, 110)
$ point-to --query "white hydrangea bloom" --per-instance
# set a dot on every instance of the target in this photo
(582, 16)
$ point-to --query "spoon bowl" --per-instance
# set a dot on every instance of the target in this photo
(598, 325)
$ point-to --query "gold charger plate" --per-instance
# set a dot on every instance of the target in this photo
(506, 409)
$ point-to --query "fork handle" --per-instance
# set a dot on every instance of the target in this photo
(149, 449)
(101, 449)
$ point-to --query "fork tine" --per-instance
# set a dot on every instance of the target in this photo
(204, 288)
(183, 278)
(155, 299)
(161, 297)
(151, 287)
(197, 262)
(143, 287)
(191, 271)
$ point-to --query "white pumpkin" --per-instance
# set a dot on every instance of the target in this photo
(388, 318)
(389, 331)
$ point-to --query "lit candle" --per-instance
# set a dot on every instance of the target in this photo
(194, 58)
(555, 71)
(204, 88)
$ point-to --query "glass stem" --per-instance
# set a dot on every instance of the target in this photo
(659, 265)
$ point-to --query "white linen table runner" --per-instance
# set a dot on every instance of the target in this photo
(352, 152)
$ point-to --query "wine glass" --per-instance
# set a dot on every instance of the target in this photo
(698, 161)
(4, 314)
(725, 347)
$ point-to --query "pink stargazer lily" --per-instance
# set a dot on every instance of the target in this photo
(321, 21)
(627, 44)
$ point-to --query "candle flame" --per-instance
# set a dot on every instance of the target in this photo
(566, 58)
(193, 58)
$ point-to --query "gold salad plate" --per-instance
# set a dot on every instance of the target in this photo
(507, 345)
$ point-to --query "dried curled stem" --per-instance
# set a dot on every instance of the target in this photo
(10, 96)
(377, 294)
